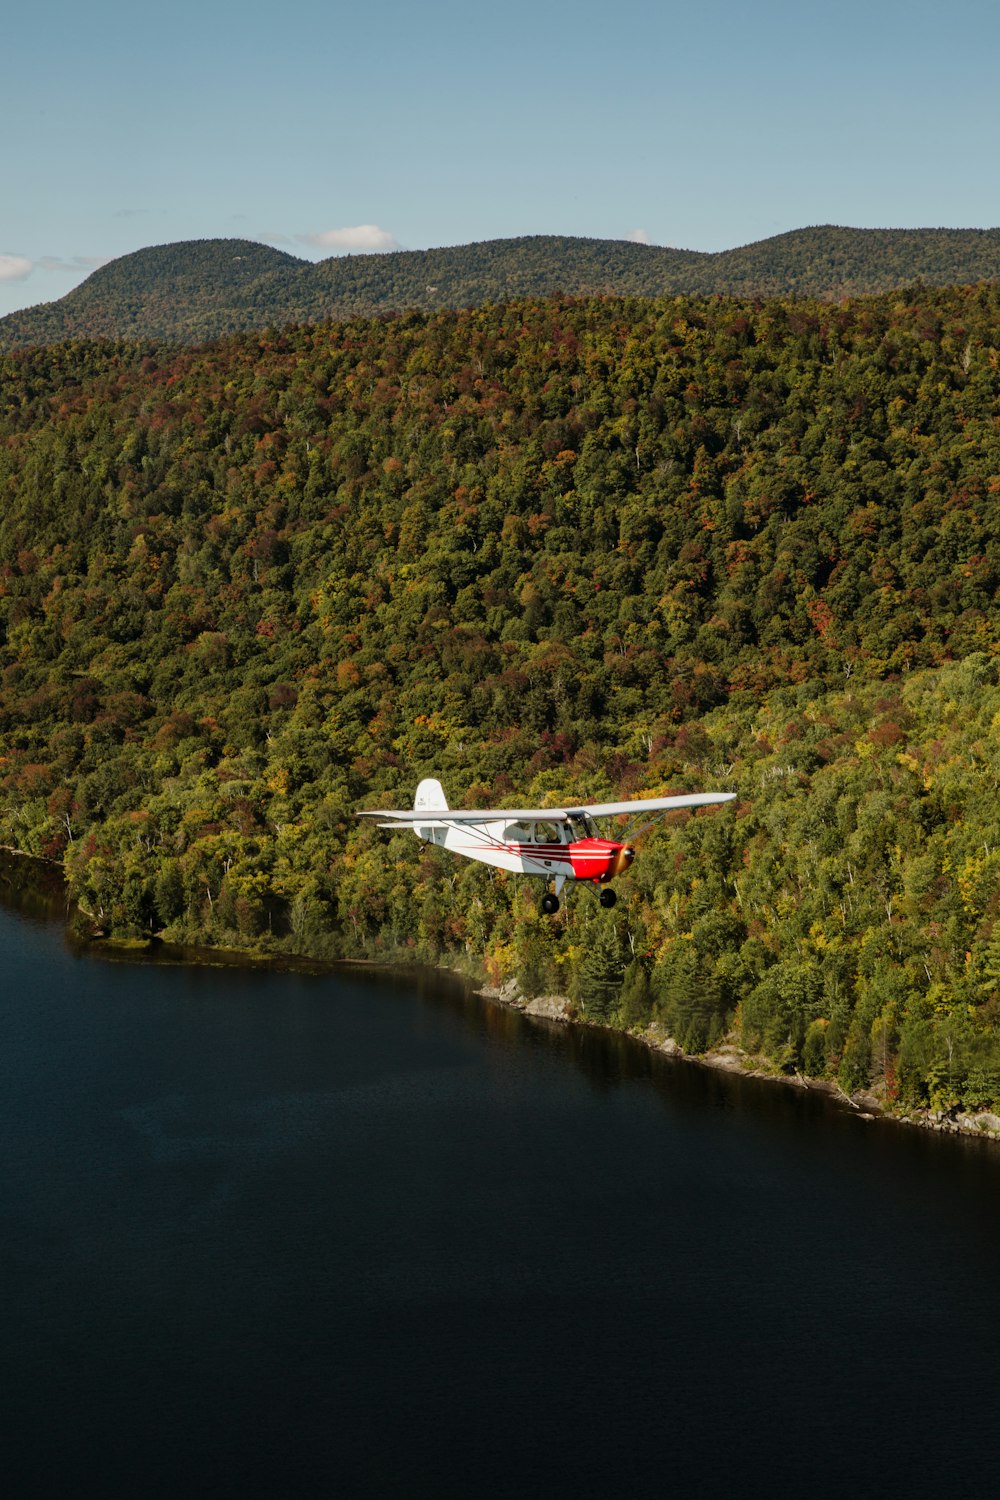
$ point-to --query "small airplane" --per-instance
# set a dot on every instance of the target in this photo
(557, 843)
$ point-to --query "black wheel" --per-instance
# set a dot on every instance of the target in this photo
(607, 897)
(550, 904)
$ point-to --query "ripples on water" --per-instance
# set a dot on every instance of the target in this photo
(287, 1234)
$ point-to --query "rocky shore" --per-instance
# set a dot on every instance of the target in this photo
(727, 1057)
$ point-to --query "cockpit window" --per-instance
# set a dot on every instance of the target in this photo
(581, 827)
(546, 833)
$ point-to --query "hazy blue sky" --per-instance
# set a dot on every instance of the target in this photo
(698, 125)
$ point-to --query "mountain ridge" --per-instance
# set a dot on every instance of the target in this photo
(192, 291)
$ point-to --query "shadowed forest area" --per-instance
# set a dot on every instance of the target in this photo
(555, 550)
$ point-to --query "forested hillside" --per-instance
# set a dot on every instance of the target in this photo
(547, 550)
(203, 289)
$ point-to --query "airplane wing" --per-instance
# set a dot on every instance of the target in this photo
(427, 816)
(654, 804)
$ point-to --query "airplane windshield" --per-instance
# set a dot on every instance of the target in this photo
(581, 827)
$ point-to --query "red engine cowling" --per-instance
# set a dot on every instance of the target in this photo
(599, 859)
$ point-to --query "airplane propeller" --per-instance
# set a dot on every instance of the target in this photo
(621, 861)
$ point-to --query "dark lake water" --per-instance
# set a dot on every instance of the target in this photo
(286, 1234)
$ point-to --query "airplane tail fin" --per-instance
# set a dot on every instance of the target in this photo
(430, 797)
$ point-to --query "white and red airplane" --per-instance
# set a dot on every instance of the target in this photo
(557, 843)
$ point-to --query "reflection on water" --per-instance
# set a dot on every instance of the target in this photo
(33, 888)
(300, 1233)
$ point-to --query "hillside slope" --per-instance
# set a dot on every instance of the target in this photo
(202, 289)
(551, 550)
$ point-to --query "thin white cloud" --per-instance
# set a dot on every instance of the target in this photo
(15, 267)
(638, 237)
(70, 265)
(358, 237)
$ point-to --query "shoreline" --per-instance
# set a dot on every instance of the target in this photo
(726, 1057)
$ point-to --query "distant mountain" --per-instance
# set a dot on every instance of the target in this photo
(200, 289)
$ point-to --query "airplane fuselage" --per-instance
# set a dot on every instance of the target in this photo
(511, 847)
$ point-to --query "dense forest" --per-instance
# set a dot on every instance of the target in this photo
(554, 549)
(204, 289)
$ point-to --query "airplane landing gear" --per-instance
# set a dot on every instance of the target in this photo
(550, 904)
(607, 897)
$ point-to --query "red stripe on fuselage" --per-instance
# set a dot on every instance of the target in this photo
(589, 859)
